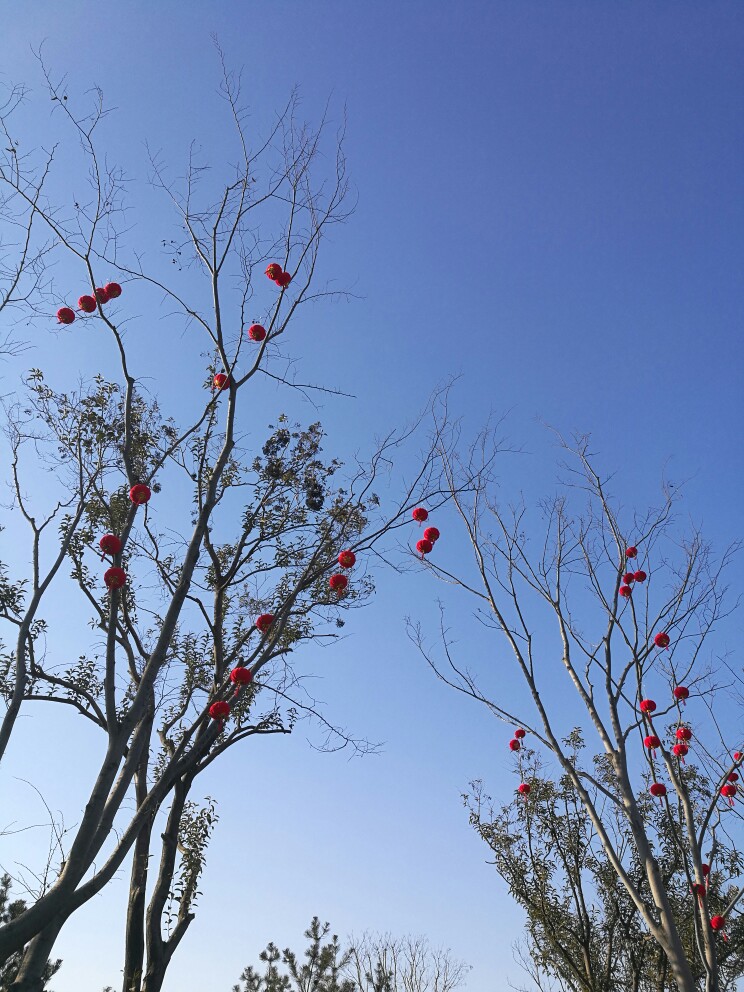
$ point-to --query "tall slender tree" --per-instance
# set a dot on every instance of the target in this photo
(214, 584)
(609, 614)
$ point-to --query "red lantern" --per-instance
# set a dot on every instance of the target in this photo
(424, 546)
(681, 692)
(520, 734)
(264, 622)
(87, 304)
(523, 789)
(221, 380)
(101, 295)
(338, 583)
(651, 742)
(705, 869)
(283, 280)
(110, 544)
(274, 270)
(114, 578)
(625, 591)
(65, 315)
(140, 494)
(113, 290)
(658, 790)
(256, 332)
(514, 744)
(420, 514)
(733, 777)
(647, 706)
(738, 755)
(631, 552)
(628, 578)
(718, 922)
(347, 559)
(683, 734)
(728, 792)
(640, 576)
(240, 676)
(219, 710)
(432, 534)
(680, 750)
(661, 640)
(698, 889)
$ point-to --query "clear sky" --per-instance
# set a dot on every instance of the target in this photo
(551, 206)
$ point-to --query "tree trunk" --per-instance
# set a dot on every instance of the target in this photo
(31, 975)
(134, 953)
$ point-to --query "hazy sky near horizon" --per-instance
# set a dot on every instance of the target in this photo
(550, 207)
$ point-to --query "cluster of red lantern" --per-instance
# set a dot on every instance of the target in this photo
(431, 534)
(338, 582)
(629, 578)
(88, 304)
(275, 272)
(515, 742)
(115, 577)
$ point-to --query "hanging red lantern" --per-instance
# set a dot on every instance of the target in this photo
(681, 692)
(647, 706)
(114, 578)
(628, 578)
(347, 559)
(274, 270)
(140, 494)
(221, 380)
(424, 546)
(683, 734)
(728, 792)
(240, 676)
(219, 710)
(733, 777)
(520, 734)
(113, 290)
(256, 332)
(661, 640)
(338, 583)
(514, 744)
(625, 591)
(631, 552)
(524, 789)
(284, 280)
(420, 514)
(65, 315)
(87, 304)
(110, 544)
(680, 750)
(432, 534)
(698, 889)
(651, 742)
(738, 755)
(101, 295)
(717, 922)
(658, 790)
(264, 622)
(705, 869)
(640, 576)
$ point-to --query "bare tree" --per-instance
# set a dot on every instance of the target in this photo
(383, 963)
(182, 669)
(632, 603)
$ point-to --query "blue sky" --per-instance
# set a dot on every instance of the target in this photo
(550, 207)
